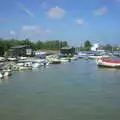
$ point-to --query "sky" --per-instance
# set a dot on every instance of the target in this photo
(71, 20)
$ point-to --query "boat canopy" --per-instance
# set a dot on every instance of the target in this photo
(87, 52)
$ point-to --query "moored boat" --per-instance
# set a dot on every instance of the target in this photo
(11, 59)
(22, 58)
(75, 57)
(55, 61)
(98, 56)
(107, 62)
(1, 75)
(64, 60)
(35, 65)
(2, 59)
(6, 72)
(20, 67)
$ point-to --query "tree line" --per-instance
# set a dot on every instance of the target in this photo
(5, 45)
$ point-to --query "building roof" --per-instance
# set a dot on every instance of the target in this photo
(19, 46)
(66, 48)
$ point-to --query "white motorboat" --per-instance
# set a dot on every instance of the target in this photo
(20, 64)
(54, 60)
(35, 65)
(11, 59)
(64, 60)
(75, 57)
(45, 63)
(32, 60)
(22, 58)
(20, 67)
(6, 72)
(1, 76)
(2, 59)
(98, 56)
(27, 64)
(105, 62)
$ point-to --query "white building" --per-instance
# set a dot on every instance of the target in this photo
(95, 47)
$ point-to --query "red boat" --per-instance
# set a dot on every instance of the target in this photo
(109, 62)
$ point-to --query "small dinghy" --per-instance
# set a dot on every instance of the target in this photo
(109, 62)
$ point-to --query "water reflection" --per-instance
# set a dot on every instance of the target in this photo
(39, 69)
(108, 69)
(78, 90)
(5, 80)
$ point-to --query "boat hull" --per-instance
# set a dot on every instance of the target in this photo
(97, 57)
(108, 66)
(55, 62)
(108, 63)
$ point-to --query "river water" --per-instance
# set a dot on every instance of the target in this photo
(73, 91)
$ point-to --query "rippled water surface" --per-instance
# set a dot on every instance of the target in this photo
(74, 91)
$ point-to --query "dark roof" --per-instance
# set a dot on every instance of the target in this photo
(19, 46)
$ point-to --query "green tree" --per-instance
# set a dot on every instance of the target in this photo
(1, 48)
(87, 45)
(64, 44)
(39, 45)
(5, 45)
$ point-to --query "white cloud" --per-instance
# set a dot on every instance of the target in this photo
(34, 31)
(56, 12)
(12, 32)
(26, 10)
(31, 28)
(101, 11)
(80, 21)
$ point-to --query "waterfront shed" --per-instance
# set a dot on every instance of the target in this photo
(67, 50)
(21, 50)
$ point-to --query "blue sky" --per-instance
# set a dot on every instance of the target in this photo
(72, 20)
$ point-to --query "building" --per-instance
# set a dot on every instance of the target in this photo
(95, 47)
(22, 50)
(67, 50)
